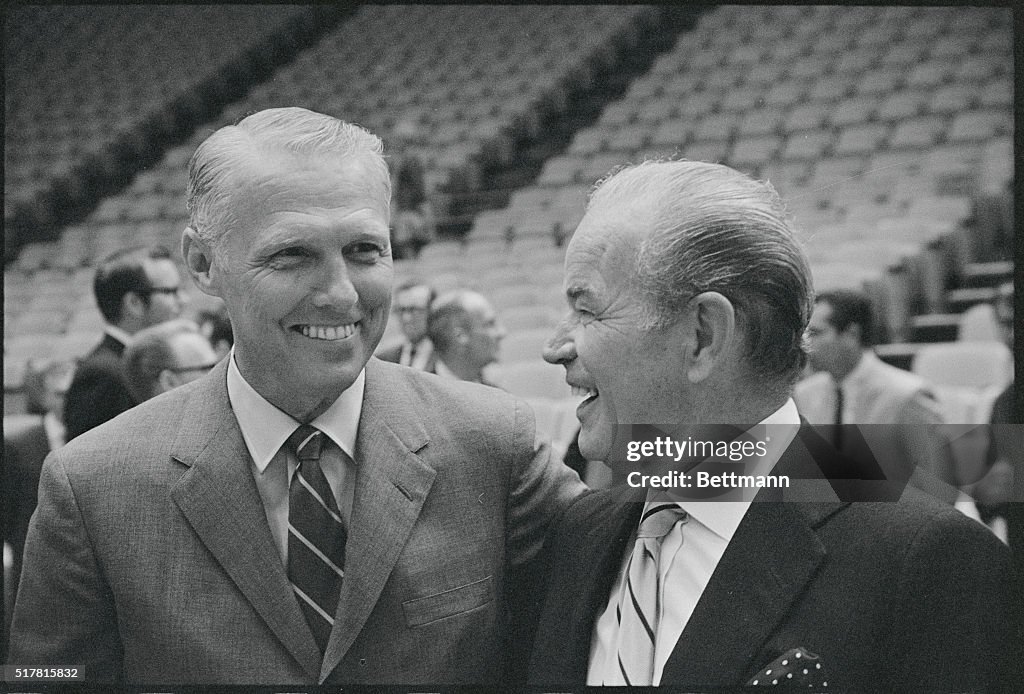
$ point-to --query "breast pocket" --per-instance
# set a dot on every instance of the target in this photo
(471, 596)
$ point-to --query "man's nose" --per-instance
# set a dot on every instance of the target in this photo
(560, 349)
(336, 288)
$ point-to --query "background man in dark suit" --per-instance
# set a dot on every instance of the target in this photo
(135, 288)
(304, 513)
(412, 306)
(689, 298)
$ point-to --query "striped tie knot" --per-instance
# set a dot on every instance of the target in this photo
(306, 442)
(658, 520)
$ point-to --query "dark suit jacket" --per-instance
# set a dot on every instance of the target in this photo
(891, 596)
(393, 353)
(150, 558)
(99, 389)
(24, 450)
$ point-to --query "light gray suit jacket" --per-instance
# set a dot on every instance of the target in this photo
(150, 558)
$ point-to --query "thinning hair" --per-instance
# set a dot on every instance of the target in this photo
(217, 165)
(449, 315)
(716, 229)
(122, 272)
(150, 351)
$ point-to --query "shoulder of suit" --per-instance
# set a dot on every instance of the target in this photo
(431, 388)
(904, 521)
(148, 426)
(899, 381)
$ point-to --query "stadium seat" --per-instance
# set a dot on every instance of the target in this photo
(861, 139)
(987, 364)
(918, 133)
(854, 111)
(761, 121)
(807, 145)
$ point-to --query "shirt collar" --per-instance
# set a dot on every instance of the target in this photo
(115, 332)
(777, 430)
(265, 428)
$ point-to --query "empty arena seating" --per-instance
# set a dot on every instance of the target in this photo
(888, 130)
(91, 90)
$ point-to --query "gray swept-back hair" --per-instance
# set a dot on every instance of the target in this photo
(716, 229)
(215, 165)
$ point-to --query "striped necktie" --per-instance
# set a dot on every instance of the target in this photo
(316, 536)
(640, 606)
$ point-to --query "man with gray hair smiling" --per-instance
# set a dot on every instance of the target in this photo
(688, 300)
(304, 513)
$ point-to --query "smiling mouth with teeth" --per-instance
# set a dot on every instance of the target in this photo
(587, 393)
(327, 332)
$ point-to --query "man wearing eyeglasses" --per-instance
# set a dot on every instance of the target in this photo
(164, 356)
(135, 288)
(412, 306)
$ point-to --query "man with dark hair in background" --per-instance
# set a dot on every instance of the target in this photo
(135, 288)
(466, 334)
(689, 296)
(304, 513)
(412, 307)
(165, 356)
(903, 418)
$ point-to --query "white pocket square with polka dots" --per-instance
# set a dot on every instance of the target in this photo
(797, 667)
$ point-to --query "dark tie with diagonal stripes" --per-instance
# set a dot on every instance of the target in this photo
(640, 605)
(316, 536)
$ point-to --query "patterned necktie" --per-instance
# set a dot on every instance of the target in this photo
(316, 536)
(640, 606)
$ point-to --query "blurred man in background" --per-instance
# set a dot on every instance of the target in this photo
(135, 288)
(165, 356)
(466, 334)
(412, 307)
(215, 325)
(902, 415)
(26, 444)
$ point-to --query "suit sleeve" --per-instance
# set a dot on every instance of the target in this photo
(97, 394)
(64, 615)
(540, 490)
(951, 630)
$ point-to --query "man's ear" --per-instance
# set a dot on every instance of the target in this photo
(198, 257)
(714, 327)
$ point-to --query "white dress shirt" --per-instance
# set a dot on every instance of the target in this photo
(265, 429)
(56, 434)
(689, 555)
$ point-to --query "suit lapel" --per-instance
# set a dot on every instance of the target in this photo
(219, 498)
(392, 483)
(771, 558)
